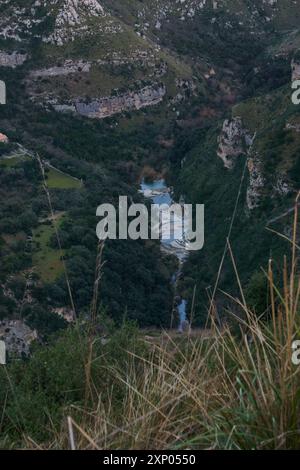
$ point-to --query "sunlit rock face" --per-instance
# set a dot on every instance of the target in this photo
(101, 108)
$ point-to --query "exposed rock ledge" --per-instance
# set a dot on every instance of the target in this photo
(70, 66)
(100, 108)
(12, 60)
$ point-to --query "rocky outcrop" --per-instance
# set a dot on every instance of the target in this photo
(161, 11)
(72, 20)
(66, 313)
(293, 126)
(295, 70)
(282, 186)
(256, 182)
(233, 141)
(17, 22)
(186, 89)
(69, 66)
(17, 337)
(13, 59)
(100, 108)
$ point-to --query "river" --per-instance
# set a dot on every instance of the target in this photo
(160, 193)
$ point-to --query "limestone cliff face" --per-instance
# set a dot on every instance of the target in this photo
(108, 106)
(233, 141)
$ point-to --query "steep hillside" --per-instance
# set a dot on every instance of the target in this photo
(257, 147)
(78, 57)
(100, 59)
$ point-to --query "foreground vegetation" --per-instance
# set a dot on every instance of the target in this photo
(228, 387)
